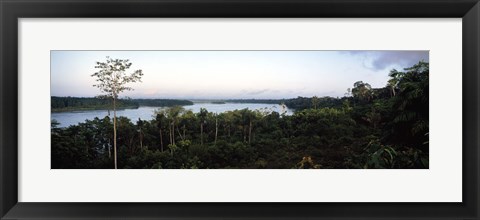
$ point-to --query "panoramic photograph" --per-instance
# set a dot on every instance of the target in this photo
(239, 109)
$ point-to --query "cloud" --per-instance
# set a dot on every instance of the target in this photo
(380, 60)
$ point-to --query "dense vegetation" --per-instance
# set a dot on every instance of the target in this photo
(298, 103)
(261, 101)
(301, 103)
(218, 102)
(162, 102)
(368, 128)
(76, 103)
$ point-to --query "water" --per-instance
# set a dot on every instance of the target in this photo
(146, 113)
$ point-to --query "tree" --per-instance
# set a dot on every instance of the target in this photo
(381, 130)
(203, 119)
(216, 129)
(393, 82)
(140, 125)
(315, 102)
(362, 90)
(111, 80)
(373, 117)
(412, 104)
(173, 113)
(160, 123)
(228, 118)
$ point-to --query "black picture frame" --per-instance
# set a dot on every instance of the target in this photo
(11, 10)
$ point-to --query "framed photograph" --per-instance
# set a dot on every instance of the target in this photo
(205, 109)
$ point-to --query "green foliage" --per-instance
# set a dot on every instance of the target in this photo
(59, 104)
(162, 102)
(75, 104)
(112, 78)
(379, 156)
(375, 128)
(362, 91)
(301, 103)
(263, 101)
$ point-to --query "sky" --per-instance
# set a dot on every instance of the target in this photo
(232, 74)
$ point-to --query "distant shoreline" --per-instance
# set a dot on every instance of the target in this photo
(58, 110)
(65, 104)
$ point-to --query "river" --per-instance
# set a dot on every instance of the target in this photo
(146, 113)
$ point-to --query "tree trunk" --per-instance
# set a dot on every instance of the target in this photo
(130, 145)
(201, 133)
(180, 134)
(216, 129)
(170, 133)
(114, 133)
(244, 133)
(173, 132)
(250, 132)
(141, 140)
(161, 140)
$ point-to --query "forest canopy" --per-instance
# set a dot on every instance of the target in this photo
(80, 103)
(385, 127)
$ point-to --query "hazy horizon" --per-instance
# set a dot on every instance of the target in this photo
(221, 75)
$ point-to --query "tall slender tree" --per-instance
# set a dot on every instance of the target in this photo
(216, 128)
(315, 102)
(111, 79)
(393, 81)
(160, 123)
(141, 134)
(203, 118)
(173, 114)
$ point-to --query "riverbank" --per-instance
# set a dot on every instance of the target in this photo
(79, 109)
(67, 104)
(147, 113)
